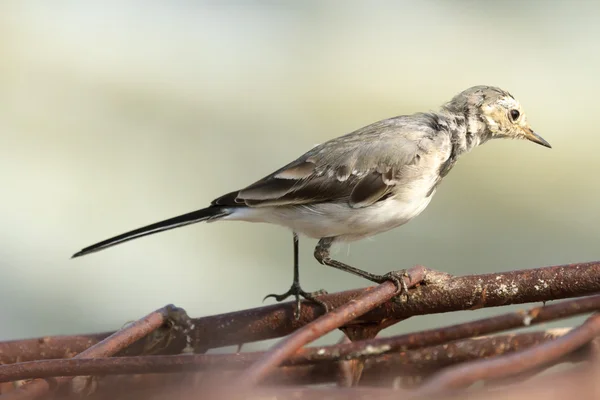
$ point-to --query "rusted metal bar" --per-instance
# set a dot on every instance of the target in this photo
(361, 349)
(304, 393)
(440, 293)
(332, 320)
(107, 347)
(346, 370)
(436, 336)
(297, 369)
(512, 364)
(400, 369)
(579, 383)
(48, 347)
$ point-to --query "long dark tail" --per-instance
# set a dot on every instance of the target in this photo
(213, 212)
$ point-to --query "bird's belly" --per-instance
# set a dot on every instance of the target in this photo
(338, 219)
(382, 216)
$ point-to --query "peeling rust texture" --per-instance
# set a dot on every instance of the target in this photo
(349, 311)
(580, 384)
(378, 368)
(510, 365)
(51, 347)
(47, 347)
(106, 347)
(448, 293)
(383, 370)
(446, 334)
(440, 293)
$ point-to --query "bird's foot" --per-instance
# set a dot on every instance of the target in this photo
(397, 277)
(297, 292)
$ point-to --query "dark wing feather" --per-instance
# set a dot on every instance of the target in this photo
(369, 190)
(359, 168)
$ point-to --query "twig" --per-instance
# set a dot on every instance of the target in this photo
(513, 364)
(323, 325)
(107, 347)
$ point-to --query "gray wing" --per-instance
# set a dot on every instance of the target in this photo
(359, 168)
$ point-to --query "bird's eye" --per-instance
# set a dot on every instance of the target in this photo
(514, 115)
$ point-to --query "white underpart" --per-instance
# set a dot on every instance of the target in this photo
(339, 219)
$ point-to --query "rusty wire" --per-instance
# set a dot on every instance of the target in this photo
(107, 347)
(435, 336)
(423, 361)
(580, 383)
(512, 364)
(325, 324)
(321, 354)
(437, 292)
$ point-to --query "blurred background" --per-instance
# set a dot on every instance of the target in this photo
(119, 114)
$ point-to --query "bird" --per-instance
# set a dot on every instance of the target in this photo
(366, 182)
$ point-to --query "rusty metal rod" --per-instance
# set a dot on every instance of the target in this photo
(109, 346)
(512, 364)
(440, 293)
(433, 357)
(330, 321)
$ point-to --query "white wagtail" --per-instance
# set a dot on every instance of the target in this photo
(363, 183)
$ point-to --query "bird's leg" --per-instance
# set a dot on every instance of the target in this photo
(296, 290)
(322, 254)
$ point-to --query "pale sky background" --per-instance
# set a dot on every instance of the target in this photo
(114, 115)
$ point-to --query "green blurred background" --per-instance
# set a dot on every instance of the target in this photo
(118, 114)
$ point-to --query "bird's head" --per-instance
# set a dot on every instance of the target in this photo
(496, 111)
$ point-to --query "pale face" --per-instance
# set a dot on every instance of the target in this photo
(506, 119)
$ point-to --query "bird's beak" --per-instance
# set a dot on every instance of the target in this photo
(535, 138)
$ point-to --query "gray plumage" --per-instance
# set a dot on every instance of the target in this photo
(368, 181)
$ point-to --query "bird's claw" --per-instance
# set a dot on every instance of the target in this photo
(297, 292)
(397, 277)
